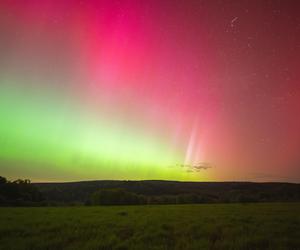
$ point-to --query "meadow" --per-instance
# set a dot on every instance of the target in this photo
(202, 226)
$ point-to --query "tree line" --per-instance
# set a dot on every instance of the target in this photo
(118, 196)
(24, 193)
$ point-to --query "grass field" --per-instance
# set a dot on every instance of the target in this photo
(219, 226)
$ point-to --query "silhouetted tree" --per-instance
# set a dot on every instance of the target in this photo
(18, 192)
(2, 180)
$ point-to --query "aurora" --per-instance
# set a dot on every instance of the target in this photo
(135, 89)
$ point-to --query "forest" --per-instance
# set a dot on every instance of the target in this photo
(24, 193)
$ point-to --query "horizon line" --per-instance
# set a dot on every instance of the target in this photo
(140, 180)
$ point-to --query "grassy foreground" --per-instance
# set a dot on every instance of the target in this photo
(219, 226)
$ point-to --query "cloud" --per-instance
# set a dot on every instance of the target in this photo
(195, 168)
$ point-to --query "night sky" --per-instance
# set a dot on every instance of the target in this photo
(160, 89)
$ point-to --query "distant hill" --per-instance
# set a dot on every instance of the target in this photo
(79, 192)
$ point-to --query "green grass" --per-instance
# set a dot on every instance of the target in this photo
(219, 226)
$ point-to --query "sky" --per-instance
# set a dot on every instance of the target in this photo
(202, 90)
